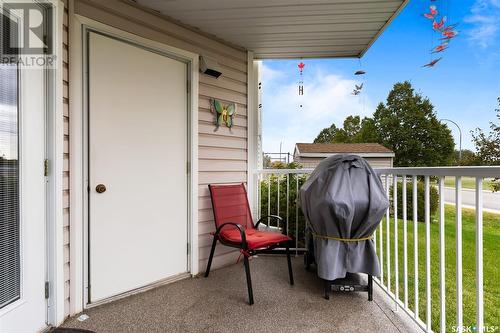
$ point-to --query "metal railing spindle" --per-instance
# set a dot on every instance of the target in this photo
(427, 206)
(287, 201)
(479, 256)
(442, 271)
(415, 245)
(396, 231)
(458, 205)
(388, 238)
(405, 242)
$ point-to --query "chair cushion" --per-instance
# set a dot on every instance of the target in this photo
(256, 239)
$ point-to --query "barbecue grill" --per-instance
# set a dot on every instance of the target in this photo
(343, 202)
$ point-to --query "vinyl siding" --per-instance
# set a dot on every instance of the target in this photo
(222, 153)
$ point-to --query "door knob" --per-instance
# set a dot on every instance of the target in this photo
(101, 188)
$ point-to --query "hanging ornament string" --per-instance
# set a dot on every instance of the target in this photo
(445, 32)
(301, 66)
(358, 87)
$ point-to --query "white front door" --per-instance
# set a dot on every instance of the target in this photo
(138, 148)
(22, 200)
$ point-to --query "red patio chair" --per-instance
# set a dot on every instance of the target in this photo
(234, 227)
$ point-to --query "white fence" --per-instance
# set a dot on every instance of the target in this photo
(278, 194)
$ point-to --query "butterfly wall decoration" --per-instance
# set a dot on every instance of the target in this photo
(223, 113)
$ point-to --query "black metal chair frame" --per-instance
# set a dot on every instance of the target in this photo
(243, 246)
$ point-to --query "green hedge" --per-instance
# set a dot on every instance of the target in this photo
(269, 201)
(434, 200)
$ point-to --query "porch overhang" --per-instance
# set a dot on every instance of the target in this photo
(281, 29)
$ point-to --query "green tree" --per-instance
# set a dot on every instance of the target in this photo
(348, 133)
(266, 161)
(368, 132)
(488, 146)
(469, 158)
(408, 125)
(354, 130)
(279, 194)
(326, 135)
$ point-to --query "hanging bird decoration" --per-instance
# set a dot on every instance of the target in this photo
(432, 63)
(438, 25)
(432, 14)
(447, 32)
(301, 66)
(357, 89)
(440, 48)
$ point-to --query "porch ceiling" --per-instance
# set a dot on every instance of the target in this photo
(276, 29)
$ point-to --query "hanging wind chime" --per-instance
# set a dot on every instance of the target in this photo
(358, 87)
(447, 33)
(301, 66)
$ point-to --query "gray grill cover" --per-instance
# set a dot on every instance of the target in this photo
(344, 198)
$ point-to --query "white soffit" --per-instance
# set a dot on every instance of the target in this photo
(278, 29)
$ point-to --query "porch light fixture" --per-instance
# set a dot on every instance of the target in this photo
(209, 67)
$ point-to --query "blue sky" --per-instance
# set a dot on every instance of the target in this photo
(463, 86)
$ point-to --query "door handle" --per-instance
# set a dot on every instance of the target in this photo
(101, 188)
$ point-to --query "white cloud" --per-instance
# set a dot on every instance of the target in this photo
(327, 99)
(268, 74)
(485, 21)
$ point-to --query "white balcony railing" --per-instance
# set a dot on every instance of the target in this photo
(278, 194)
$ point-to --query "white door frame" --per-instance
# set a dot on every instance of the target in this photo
(254, 130)
(78, 146)
(55, 152)
(54, 147)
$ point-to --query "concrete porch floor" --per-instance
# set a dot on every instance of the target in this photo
(219, 304)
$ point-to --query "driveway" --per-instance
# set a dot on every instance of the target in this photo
(491, 201)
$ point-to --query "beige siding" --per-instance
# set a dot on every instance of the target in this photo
(222, 153)
(66, 152)
(380, 162)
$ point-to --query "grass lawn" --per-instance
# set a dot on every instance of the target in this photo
(467, 182)
(491, 270)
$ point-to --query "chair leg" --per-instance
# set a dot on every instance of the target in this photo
(249, 280)
(370, 287)
(289, 260)
(211, 256)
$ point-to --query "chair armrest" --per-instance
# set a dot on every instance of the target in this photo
(239, 227)
(279, 218)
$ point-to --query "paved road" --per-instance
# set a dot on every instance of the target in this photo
(491, 201)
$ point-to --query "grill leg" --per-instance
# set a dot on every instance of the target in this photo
(328, 288)
(211, 256)
(370, 287)
(289, 260)
(249, 280)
